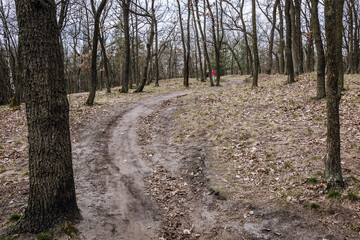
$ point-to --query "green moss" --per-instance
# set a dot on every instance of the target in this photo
(14, 217)
(333, 194)
(1, 147)
(268, 155)
(2, 169)
(352, 177)
(287, 165)
(43, 236)
(314, 205)
(352, 197)
(312, 180)
(69, 229)
(26, 173)
(221, 194)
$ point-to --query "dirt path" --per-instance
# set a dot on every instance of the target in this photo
(109, 175)
(135, 182)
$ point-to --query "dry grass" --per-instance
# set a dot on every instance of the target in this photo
(267, 142)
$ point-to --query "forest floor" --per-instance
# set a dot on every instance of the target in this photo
(203, 163)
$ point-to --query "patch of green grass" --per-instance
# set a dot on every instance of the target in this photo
(1, 147)
(310, 130)
(334, 194)
(353, 145)
(312, 180)
(2, 169)
(7, 238)
(18, 143)
(314, 205)
(268, 155)
(352, 177)
(320, 173)
(26, 173)
(319, 119)
(14, 217)
(221, 194)
(248, 143)
(43, 236)
(352, 197)
(357, 186)
(287, 165)
(272, 166)
(358, 151)
(264, 171)
(69, 229)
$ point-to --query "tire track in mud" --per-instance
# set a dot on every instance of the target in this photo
(109, 172)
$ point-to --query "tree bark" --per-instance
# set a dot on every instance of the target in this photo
(255, 47)
(202, 74)
(333, 29)
(106, 63)
(127, 57)
(52, 191)
(316, 31)
(272, 33)
(93, 83)
(289, 58)
(203, 36)
(144, 78)
(282, 41)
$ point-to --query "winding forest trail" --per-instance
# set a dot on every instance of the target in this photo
(135, 182)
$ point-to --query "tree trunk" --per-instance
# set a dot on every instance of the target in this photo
(52, 191)
(289, 58)
(282, 41)
(333, 29)
(106, 63)
(203, 36)
(93, 84)
(127, 57)
(271, 42)
(143, 81)
(202, 77)
(156, 56)
(255, 47)
(320, 93)
(5, 89)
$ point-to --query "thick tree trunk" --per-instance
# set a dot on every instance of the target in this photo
(320, 93)
(289, 58)
(333, 28)
(298, 39)
(5, 89)
(127, 57)
(52, 190)
(255, 47)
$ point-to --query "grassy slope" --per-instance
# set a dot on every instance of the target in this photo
(268, 144)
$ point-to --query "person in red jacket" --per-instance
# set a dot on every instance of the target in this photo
(213, 72)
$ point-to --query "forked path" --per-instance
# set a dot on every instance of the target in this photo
(134, 182)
